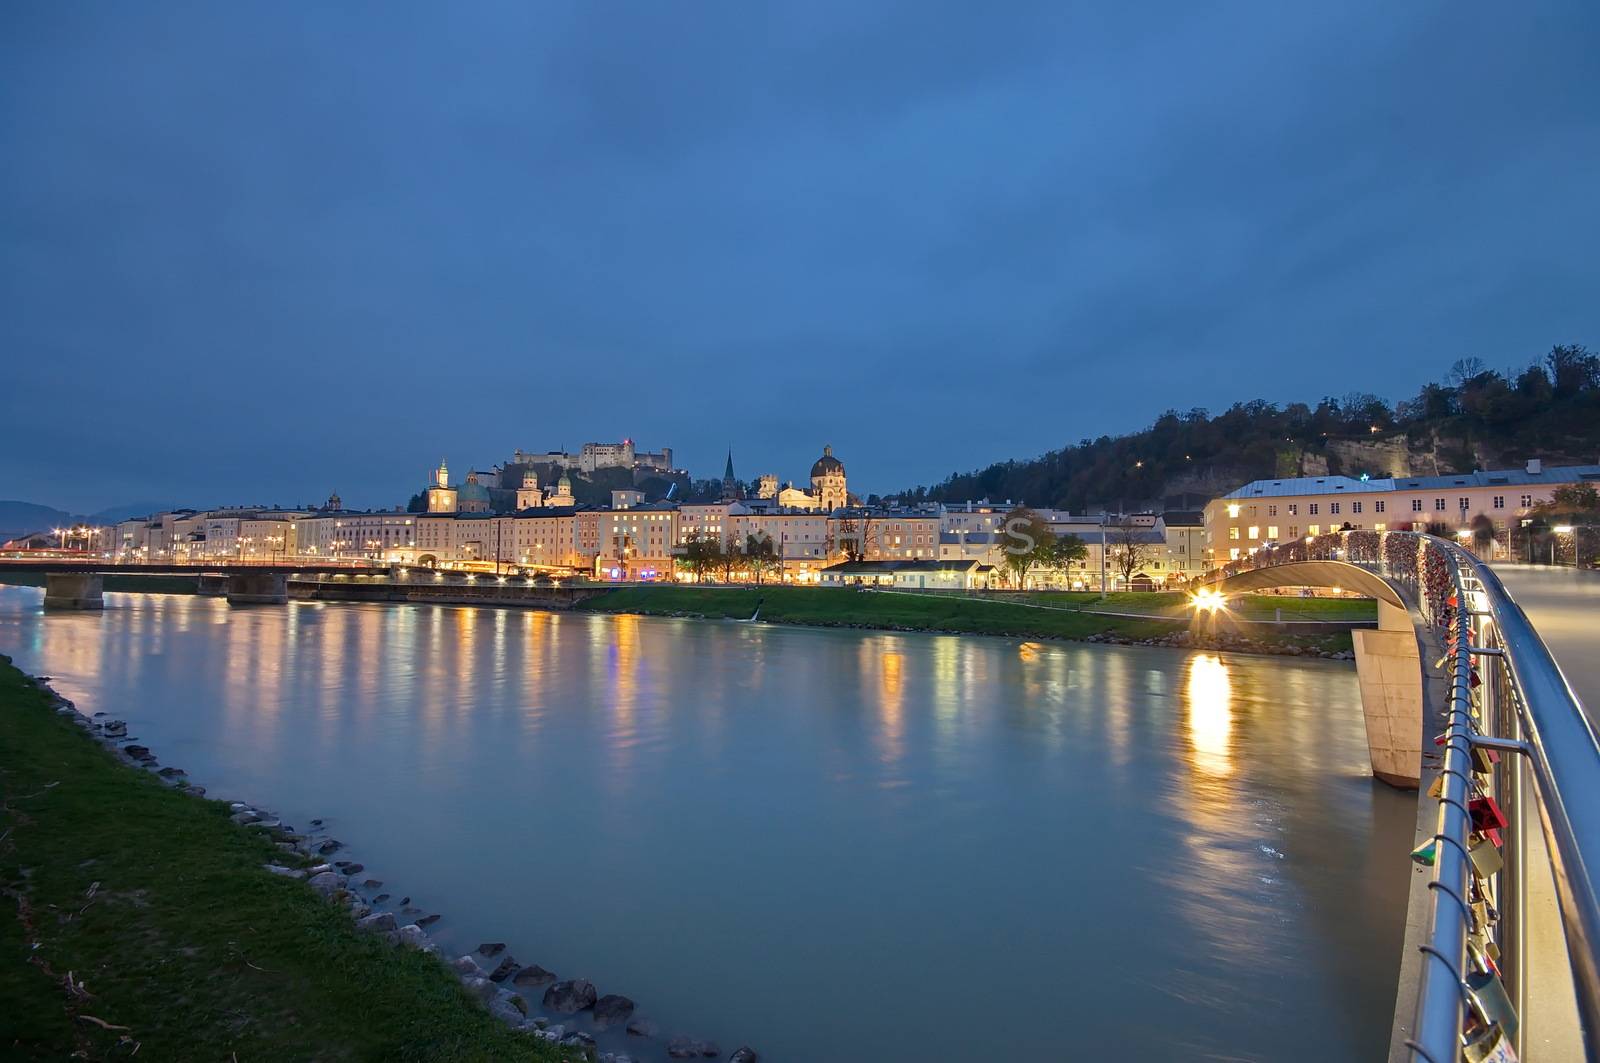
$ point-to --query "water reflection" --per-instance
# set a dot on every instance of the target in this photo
(1169, 856)
(1210, 713)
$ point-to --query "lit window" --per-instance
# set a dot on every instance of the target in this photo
(1233, 532)
(1272, 533)
(1255, 531)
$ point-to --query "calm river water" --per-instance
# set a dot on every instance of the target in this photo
(834, 845)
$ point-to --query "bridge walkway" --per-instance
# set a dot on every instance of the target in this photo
(1564, 605)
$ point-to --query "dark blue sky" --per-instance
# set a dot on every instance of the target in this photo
(260, 251)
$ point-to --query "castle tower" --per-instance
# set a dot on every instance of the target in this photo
(528, 495)
(828, 482)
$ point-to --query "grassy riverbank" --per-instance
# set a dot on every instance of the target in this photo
(175, 942)
(833, 607)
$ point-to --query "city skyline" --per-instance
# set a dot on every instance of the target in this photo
(459, 233)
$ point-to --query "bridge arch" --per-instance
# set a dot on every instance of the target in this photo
(1388, 660)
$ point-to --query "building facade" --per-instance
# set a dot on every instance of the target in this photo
(1276, 511)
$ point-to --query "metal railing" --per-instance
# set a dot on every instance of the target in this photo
(1516, 743)
(1525, 710)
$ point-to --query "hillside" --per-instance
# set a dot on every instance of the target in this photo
(1478, 418)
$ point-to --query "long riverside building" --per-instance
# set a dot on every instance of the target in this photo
(1277, 511)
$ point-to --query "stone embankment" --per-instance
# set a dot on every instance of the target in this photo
(567, 1012)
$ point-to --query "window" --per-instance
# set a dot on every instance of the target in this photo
(1255, 532)
(1315, 529)
(1438, 505)
(1294, 531)
(1272, 531)
(1463, 503)
(1272, 511)
(1380, 527)
(1377, 507)
(1233, 532)
(1233, 554)
(1333, 507)
(1499, 501)
(1294, 509)
(1527, 500)
(1416, 505)
(1312, 509)
(1355, 507)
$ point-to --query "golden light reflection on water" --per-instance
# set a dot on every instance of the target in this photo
(1209, 698)
(883, 667)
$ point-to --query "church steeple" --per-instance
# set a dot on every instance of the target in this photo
(730, 484)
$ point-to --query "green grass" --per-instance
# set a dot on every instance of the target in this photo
(922, 612)
(156, 904)
(1244, 606)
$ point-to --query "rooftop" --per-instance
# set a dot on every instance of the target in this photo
(1332, 485)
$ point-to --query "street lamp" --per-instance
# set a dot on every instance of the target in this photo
(1559, 529)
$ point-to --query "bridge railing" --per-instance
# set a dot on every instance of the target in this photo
(1517, 787)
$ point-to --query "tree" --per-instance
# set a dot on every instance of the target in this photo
(699, 554)
(729, 557)
(857, 535)
(1575, 498)
(1572, 369)
(1026, 542)
(762, 554)
(1067, 549)
(418, 503)
(1127, 551)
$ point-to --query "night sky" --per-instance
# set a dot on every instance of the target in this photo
(256, 252)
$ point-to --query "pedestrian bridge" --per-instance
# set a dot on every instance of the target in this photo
(1388, 662)
(1502, 957)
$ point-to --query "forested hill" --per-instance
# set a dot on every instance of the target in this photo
(1478, 418)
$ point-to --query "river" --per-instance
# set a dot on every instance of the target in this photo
(832, 845)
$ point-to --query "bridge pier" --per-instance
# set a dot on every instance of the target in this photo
(1389, 671)
(212, 585)
(73, 590)
(258, 588)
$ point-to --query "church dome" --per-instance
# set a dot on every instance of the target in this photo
(473, 491)
(827, 465)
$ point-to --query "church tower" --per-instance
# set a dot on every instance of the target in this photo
(827, 481)
(730, 484)
(441, 496)
(528, 495)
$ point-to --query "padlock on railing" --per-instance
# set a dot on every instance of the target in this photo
(1486, 859)
(1488, 995)
(1486, 815)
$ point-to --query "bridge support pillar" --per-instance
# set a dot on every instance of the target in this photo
(1389, 669)
(213, 585)
(258, 588)
(73, 590)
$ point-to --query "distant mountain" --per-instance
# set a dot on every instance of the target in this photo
(25, 518)
(1478, 418)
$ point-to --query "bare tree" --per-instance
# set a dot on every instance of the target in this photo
(858, 535)
(1128, 553)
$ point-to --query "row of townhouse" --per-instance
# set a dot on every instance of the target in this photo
(634, 540)
(1277, 511)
